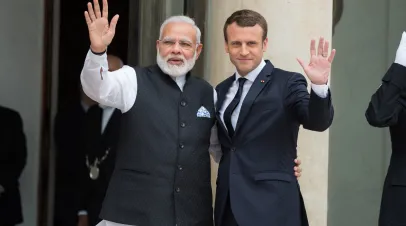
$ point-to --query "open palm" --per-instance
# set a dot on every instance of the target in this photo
(100, 32)
(319, 68)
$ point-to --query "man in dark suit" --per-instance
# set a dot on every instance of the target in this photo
(13, 155)
(260, 109)
(86, 137)
(387, 109)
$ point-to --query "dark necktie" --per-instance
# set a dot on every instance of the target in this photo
(231, 107)
(93, 124)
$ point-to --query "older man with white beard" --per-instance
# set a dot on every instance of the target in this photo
(162, 172)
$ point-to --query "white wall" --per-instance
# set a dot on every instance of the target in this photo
(366, 40)
(21, 44)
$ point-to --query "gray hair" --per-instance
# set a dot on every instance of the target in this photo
(183, 19)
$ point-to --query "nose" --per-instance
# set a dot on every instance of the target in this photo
(244, 50)
(176, 49)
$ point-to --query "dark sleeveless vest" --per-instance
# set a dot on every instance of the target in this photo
(162, 173)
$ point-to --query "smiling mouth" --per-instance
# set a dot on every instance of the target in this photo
(175, 61)
(244, 60)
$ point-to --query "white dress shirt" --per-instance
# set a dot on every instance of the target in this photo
(401, 51)
(320, 90)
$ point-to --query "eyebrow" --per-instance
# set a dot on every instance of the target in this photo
(184, 39)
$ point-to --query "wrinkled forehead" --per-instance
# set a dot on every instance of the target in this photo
(179, 31)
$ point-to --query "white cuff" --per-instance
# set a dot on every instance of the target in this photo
(96, 56)
(401, 51)
(320, 90)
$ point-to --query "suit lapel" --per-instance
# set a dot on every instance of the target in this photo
(259, 83)
(221, 96)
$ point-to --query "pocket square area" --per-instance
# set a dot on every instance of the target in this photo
(203, 113)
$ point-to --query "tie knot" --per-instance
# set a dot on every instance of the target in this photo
(241, 81)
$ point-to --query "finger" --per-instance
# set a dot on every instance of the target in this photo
(301, 63)
(320, 47)
(90, 11)
(297, 169)
(331, 58)
(105, 9)
(88, 20)
(298, 175)
(325, 49)
(113, 22)
(313, 47)
(97, 8)
(298, 162)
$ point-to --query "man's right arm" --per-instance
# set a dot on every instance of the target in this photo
(389, 100)
(117, 89)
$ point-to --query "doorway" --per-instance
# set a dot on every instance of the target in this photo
(74, 44)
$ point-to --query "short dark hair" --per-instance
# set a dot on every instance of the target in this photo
(246, 18)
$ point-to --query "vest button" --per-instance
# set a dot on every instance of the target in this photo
(177, 189)
(180, 167)
(233, 149)
(181, 146)
(183, 103)
(183, 125)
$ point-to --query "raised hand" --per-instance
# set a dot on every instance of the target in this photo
(319, 68)
(100, 32)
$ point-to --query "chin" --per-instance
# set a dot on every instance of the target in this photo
(244, 69)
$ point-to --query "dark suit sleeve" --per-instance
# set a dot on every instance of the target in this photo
(390, 98)
(16, 151)
(313, 112)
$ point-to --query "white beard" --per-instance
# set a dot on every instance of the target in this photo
(175, 70)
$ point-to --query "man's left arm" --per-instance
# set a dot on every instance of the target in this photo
(315, 110)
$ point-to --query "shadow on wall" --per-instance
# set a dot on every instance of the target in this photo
(338, 6)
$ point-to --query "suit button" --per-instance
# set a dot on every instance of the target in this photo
(183, 103)
(183, 125)
(233, 149)
(181, 146)
(180, 167)
(177, 190)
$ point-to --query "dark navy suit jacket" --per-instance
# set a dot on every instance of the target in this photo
(257, 164)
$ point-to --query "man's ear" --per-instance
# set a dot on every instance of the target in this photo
(265, 45)
(157, 45)
(198, 50)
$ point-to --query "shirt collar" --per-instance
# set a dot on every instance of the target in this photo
(177, 79)
(254, 73)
